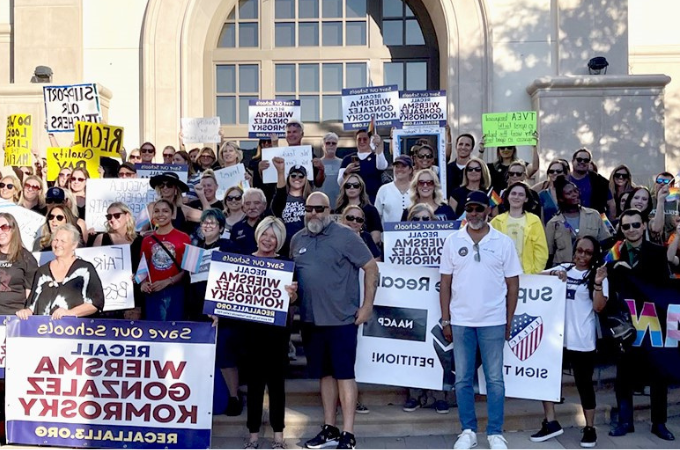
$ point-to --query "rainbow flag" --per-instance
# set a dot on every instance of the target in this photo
(607, 223)
(673, 194)
(494, 198)
(615, 253)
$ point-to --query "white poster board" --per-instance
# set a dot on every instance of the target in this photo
(29, 222)
(200, 129)
(422, 108)
(299, 155)
(361, 106)
(228, 178)
(436, 137)
(416, 243)
(65, 105)
(134, 192)
(267, 117)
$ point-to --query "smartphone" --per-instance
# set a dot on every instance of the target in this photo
(355, 159)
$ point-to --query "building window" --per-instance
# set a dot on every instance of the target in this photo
(236, 86)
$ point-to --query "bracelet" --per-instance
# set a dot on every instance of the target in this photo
(552, 272)
(446, 323)
(596, 289)
(597, 284)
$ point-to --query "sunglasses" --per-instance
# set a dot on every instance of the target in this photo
(515, 174)
(59, 217)
(425, 182)
(627, 226)
(136, 156)
(425, 156)
(584, 251)
(147, 150)
(352, 185)
(167, 155)
(473, 169)
(621, 176)
(583, 160)
(53, 201)
(126, 174)
(78, 179)
(64, 175)
(296, 176)
(5, 228)
(555, 172)
(662, 181)
(208, 156)
(354, 219)
(31, 187)
(475, 208)
(331, 143)
(316, 208)
(113, 216)
(165, 184)
(420, 219)
(6, 185)
(236, 198)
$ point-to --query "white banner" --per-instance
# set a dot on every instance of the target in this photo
(29, 222)
(200, 129)
(403, 344)
(114, 267)
(267, 117)
(405, 138)
(532, 358)
(65, 105)
(228, 178)
(360, 106)
(416, 243)
(134, 192)
(149, 170)
(419, 108)
(300, 155)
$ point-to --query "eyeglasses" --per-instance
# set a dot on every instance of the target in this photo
(354, 219)
(425, 156)
(621, 176)
(420, 218)
(627, 226)
(168, 155)
(584, 251)
(473, 169)
(474, 208)
(208, 156)
(165, 184)
(515, 174)
(6, 185)
(236, 198)
(555, 172)
(147, 150)
(331, 143)
(352, 185)
(663, 180)
(78, 179)
(53, 201)
(582, 160)
(114, 215)
(207, 224)
(64, 175)
(135, 156)
(425, 183)
(478, 256)
(5, 227)
(316, 208)
(297, 176)
(126, 174)
(59, 217)
(32, 187)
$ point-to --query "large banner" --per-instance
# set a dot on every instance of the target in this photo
(404, 139)
(361, 106)
(134, 192)
(267, 117)
(403, 344)
(149, 170)
(19, 140)
(106, 140)
(416, 243)
(114, 266)
(422, 108)
(65, 105)
(109, 383)
(200, 129)
(512, 128)
(248, 288)
(75, 157)
(29, 221)
(299, 155)
(532, 358)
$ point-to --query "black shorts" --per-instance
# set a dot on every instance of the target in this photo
(330, 351)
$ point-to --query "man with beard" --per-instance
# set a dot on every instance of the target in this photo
(327, 259)
(478, 313)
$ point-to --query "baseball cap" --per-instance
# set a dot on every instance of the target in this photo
(404, 159)
(55, 194)
(477, 197)
(298, 169)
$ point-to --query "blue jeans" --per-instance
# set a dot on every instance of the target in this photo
(490, 341)
(166, 305)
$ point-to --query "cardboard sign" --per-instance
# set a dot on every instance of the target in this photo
(404, 138)
(267, 117)
(19, 140)
(29, 221)
(201, 129)
(96, 383)
(505, 129)
(65, 105)
(299, 155)
(248, 288)
(134, 192)
(106, 139)
(416, 243)
(75, 157)
(149, 170)
(229, 177)
(114, 267)
(360, 106)
(422, 108)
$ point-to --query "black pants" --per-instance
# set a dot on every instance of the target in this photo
(265, 363)
(626, 368)
(583, 366)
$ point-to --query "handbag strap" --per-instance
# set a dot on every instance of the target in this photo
(168, 252)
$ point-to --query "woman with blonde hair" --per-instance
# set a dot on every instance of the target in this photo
(33, 194)
(476, 177)
(229, 154)
(70, 203)
(10, 188)
(206, 160)
(78, 185)
(620, 181)
(425, 188)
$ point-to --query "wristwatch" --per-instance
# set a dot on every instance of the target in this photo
(446, 323)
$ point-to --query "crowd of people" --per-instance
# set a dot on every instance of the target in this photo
(330, 224)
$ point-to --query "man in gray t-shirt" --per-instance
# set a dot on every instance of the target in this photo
(331, 165)
(327, 259)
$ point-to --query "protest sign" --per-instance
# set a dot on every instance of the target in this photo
(422, 108)
(267, 117)
(201, 129)
(134, 192)
(29, 221)
(404, 139)
(149, 170)
(248, 288)
(229, 177)
(299, 155)
(512, 128)
(403, 344)
(197, 261)
(106, 139)
(360, 106)
(19, 140)
(3, 344)
(416, 243)
(65, 105)
(109, 383)
(532, 358)
(75, 157)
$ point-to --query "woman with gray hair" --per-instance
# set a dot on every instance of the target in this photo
(67, 285)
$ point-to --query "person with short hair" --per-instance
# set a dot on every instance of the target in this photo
(455, 169)
(127, 170)
(366, 162)
(664, 213)
(594, 188)
(331, 164)
(477, 315)
(243, 233)
(295, 131)
(327, 259)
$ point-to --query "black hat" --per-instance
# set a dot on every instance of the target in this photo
(404, 159)
(170, 177)
(477, 197)
(299, 169)
(129, 166)
(55, 193)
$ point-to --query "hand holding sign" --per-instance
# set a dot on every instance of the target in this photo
(300, 155)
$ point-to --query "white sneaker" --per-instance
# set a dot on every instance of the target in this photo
(497, 441)
(466, 440)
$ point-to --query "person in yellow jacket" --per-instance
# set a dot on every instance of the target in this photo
(524, 228)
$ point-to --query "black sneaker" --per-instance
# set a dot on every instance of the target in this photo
(548, 430)
(327, 437)
(347, 440)
(589, 439)
(234, 406)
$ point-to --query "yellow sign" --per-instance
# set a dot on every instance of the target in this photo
(19, 140)
(506, 129)
(105, 138)
(75, 157)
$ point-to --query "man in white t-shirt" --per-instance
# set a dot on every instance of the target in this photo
(479, 285)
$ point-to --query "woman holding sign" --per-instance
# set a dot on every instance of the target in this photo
(289, 199)
(425, 188)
